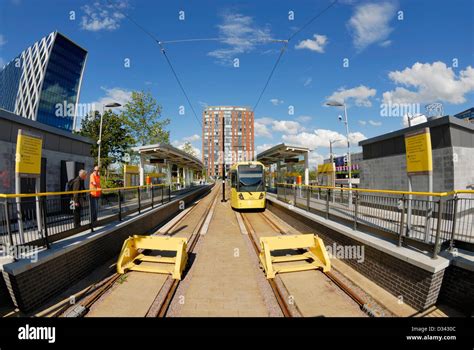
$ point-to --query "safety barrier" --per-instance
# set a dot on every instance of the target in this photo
(426, 220)
(38, 219)
(132, 257)
(315, 256)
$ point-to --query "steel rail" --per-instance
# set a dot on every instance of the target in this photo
(88, 300)
(276, 290)
(163, 308)
(360, 301)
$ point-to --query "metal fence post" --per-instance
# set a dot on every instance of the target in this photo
(308, 197)
(91, 222)
(119, 205)
(402, 222)
(42, 205)
(328, 194)
(152, 199)
(453, 227)
(8, 223)
(169, 193)
(294, 195)
(139, 201)
(356, 209)
(438, 229)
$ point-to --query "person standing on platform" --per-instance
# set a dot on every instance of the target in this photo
(77, 198)
(94, 185)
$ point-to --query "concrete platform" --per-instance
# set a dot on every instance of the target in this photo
(410, 275)
(32, 282)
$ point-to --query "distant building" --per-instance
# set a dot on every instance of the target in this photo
(342, 169)
(238, 137)
(44, 81)
(468, 114)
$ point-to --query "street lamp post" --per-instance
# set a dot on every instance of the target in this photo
(331, 156)
(109, 105)
(349, 163)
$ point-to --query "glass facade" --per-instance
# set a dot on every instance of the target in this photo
(9, 83)
(61, 84)
(53, 100)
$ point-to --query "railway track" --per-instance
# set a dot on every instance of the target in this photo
(178, 226)
(287, 304)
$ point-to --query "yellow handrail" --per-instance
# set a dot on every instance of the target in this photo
(431, 194)
(44, 194)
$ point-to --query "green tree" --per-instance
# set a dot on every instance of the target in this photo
(115, 139)
(188, 148)
(143, 121)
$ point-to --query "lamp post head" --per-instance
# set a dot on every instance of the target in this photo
(335, 104)
(113, 104)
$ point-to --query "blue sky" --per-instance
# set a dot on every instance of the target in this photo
(409, 53)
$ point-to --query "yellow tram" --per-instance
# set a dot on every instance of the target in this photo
(247, 185)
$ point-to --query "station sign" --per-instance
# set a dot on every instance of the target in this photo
(28, 154)
(326, 168)
(418, 152)
(131, 169)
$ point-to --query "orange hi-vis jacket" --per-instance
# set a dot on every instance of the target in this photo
(94, 184)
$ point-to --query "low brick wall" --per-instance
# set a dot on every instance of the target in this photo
(5, 299)
(415, 286)
(458, 289)
(38, 284)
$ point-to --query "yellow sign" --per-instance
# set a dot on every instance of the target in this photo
(156, 175)
(131, 169)
(28, 154)
(418, 152)
(326, 168)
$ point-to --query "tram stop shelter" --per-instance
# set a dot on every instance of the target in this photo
(286, 156)
(171, 160)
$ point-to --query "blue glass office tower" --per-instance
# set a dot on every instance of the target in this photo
(43, 83)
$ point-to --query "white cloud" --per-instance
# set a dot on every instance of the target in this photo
(360, 95)
(430, 82)
(414, 120)
(264, 147)
(315, 158)
(321, 138)
(261, 129)
(317, 44)
(374, 123)
(286, 126)
(308, 81)
(362, 122)
(192, 138)
(241, 36)
(115, 94)
(276, 101)
(304, 118)
(264, 125)
(102, 15)
(370, 24)
(203, 104)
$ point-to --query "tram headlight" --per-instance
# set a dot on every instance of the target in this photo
(261, 196)
(241, 197)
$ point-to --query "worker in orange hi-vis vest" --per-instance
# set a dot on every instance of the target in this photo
(94, 184)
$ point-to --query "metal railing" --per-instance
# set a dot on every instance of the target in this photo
(38, 219)
(427, 220)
